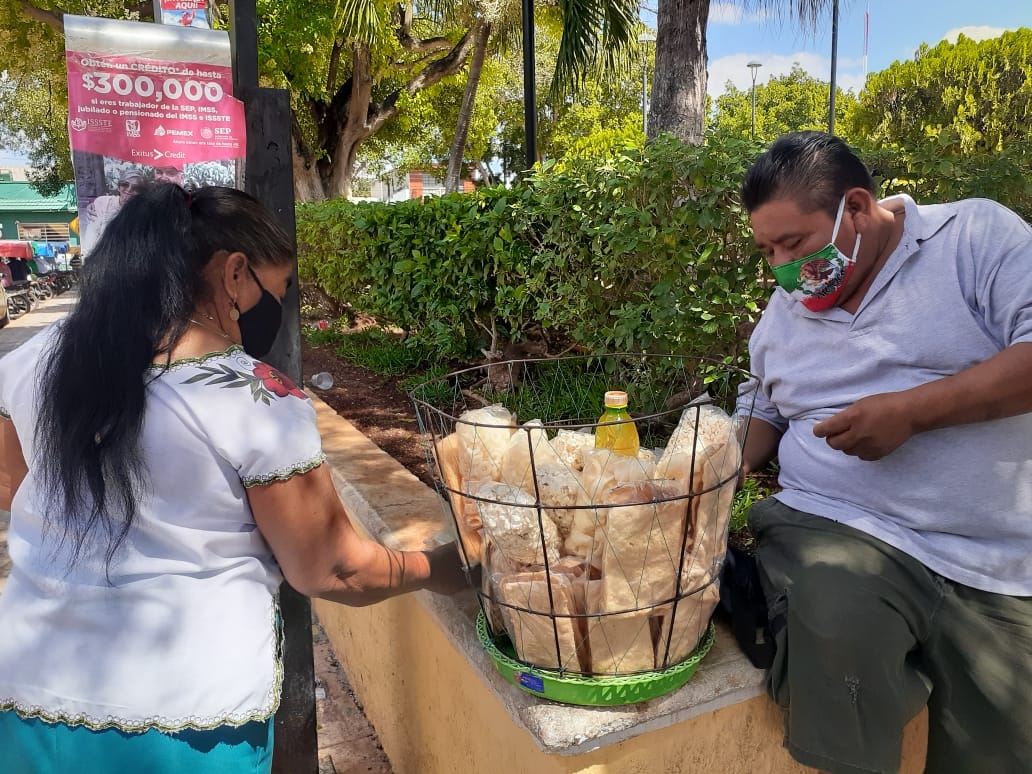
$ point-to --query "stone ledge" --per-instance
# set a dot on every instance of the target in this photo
(398, 509)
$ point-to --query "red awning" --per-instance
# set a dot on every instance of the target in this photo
(16, 248)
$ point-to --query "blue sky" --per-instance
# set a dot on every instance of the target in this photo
(736, 36)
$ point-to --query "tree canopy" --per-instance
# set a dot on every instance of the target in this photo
(979, 91)
(786, 103)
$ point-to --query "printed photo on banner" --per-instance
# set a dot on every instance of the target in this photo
(186, 13)
(165, 112)
(105, 183)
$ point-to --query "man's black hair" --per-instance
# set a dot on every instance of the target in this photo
(814, 169)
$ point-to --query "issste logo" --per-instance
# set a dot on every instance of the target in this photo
(78, 124)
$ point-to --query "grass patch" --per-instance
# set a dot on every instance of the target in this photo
(431, 386)
(382, 352)
(559, 391)
(750, 493)
(320, 338)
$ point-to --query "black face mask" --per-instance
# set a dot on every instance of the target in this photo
(260, 324)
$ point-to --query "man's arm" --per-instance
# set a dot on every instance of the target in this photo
(878, 425)
(761, 445)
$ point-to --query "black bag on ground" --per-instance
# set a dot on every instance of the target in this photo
(742, 599)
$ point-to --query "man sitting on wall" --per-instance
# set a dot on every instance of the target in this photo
(894, 363)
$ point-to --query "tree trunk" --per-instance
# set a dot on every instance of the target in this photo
(307, 186)
(457, 151)
(679, 82)
(350, 118)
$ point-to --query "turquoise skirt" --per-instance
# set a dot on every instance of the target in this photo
(31, 746)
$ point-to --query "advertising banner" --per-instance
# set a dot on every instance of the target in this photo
(147, 102)
(186, 13)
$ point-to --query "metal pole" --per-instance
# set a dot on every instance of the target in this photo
(529, 96)
(834, 64)
(644, 94)
(754, 66)
(646, 39)
(754, 103)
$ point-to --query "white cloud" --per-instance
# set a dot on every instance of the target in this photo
(725, 13)
(981, 32)
(735, 68)
(733, 14)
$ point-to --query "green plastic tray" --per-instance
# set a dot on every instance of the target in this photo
(591, 691)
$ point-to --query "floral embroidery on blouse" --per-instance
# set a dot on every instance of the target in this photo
(264, 381)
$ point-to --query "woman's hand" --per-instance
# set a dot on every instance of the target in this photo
(447, 574)
(322, 555)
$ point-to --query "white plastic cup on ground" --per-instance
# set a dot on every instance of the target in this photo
(321, 381)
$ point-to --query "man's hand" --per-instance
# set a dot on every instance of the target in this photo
(871, 428)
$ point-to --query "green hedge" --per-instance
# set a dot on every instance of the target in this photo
(648, 252)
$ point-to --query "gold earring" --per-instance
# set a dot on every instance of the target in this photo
(234, 313)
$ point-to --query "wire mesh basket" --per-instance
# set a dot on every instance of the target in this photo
(599, 569)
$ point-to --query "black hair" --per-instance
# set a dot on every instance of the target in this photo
(138, 287)
(813, 169)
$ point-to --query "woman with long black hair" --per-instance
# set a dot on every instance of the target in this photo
(162, 481)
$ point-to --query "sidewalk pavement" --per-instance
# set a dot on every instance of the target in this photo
(27, 325)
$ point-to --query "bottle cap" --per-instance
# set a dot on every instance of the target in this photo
(616, 398)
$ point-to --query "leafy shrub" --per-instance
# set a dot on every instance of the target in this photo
(648, 252)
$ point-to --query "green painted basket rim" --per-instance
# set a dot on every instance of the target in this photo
(606, 691)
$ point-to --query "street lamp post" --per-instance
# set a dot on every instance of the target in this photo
(645, 39)
(834, 63)
(754, 66)
(529, 86)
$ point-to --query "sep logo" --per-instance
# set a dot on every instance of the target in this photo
(132, 127)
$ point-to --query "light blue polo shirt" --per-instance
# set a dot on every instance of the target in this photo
(956, 291)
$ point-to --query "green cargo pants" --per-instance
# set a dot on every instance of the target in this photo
(867, 635)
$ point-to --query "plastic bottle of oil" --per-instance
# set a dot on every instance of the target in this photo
(621, 438)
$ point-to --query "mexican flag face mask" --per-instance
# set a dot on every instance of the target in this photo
(817, 280)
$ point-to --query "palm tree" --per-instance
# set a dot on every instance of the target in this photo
(679, 84)
(457, 151)
(594, 38)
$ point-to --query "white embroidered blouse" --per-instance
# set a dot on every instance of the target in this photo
(181, 629)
